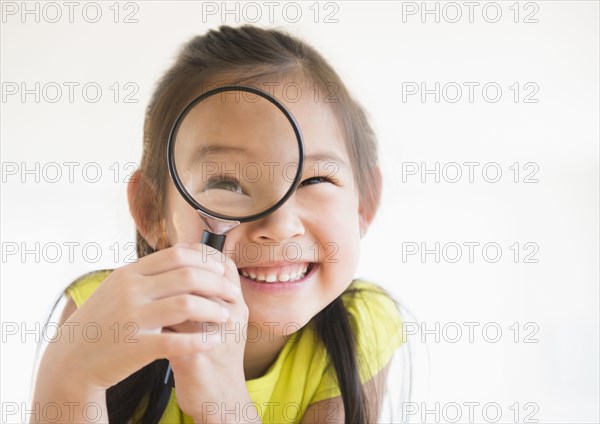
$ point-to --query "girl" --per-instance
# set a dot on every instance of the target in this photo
(316, 353)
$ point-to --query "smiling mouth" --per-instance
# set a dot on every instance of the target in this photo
(285, 274)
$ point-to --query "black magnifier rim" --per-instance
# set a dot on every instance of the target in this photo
(171, 155)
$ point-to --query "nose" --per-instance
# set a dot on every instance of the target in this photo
(283, 224)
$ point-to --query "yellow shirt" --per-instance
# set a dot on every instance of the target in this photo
(300, 375)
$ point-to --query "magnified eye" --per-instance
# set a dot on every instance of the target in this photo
(223, 182)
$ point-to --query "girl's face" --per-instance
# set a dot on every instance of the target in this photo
(312, 239)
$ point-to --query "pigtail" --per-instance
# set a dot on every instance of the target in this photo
(335, 332)
(144, 387)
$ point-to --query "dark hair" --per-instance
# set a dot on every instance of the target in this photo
(236, 55)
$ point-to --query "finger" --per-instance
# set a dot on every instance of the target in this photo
(231, 271)
(195, 327)
(232, 274)
(166, 344)
(178, 256)
(177, 309)
(190, 280)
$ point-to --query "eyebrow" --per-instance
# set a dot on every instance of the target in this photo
(325, 157)
(214, 149)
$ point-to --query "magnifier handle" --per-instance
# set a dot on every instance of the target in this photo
(216, 241)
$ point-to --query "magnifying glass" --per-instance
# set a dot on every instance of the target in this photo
(235, 154)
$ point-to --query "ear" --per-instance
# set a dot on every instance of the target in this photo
(139, 195)
(369, 205)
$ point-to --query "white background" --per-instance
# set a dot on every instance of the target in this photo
(555, 379)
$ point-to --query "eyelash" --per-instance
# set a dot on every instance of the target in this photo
(324, 179)
(223, 179)
(226, 179)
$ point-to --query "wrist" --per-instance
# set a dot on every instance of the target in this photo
(68, 404)
(68, 386)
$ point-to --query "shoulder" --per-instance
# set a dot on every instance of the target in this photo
(377, 328)
(375, 316)
(363, 295)
(376, 319)
(79, 290)
(82, 288)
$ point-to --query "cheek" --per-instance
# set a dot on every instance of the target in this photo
(334, 215)
(335, 225)
(340, 253)
(183, 224)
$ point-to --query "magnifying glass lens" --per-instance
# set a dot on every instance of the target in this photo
(236, 154)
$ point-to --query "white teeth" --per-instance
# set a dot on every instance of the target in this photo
(272, 278)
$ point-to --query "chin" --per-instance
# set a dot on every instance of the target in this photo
(282, 324)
